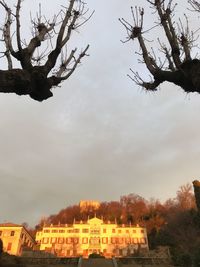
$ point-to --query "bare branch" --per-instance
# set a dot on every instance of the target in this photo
(6, 29)
(135, 32)
(76, 62)
(66, 19)
(195, 5)
(18, 25)
(36, 60)
(165, 20)
(177, 65)
(186, 39)
(65, 63)
(68, 25)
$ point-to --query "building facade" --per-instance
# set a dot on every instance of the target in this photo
(15, 237)
(86, 205)
(93, 236)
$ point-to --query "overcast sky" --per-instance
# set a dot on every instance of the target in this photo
(100, 136)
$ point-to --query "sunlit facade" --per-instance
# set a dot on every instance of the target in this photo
(93, 236)
(88, 204)
(15, 237)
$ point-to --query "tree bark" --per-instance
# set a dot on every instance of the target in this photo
(39, 73)
(22, 82)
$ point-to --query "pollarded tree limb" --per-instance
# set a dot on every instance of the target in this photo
(165, 20)
(75, 64)
(177, 66)
(194, 4)
(6, 29)
(36, 78)
(135, 32)
(71, 16)
(15, 81)
(18, 34)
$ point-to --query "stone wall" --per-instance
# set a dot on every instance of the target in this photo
(13, 261)
(144, 262)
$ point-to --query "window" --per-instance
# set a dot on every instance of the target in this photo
(134, 231)
(142, 231)
(94, 240)
(9, 246)
(113, 230)
(119, 231)
(127, 231)
(54, 231)
(85, 252)
(76, 230)
(84, 240)
(105, 240)
(70, 231)
(75, 240)
(135, 240)
(61, 231)
(112, 240)
(46, 231)
(85, 230)
(120, 240)
(45, 240)
(128, 240)
(12, 233)
(95, 231)
(1, 233)
(104, 231)
(53, 240)
(143, 240)
(68, 240)
(60, 240)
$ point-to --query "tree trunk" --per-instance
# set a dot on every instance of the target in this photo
(22, 82)
(196, 185)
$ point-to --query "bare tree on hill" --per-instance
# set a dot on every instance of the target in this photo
(177, 64)
(40, 57)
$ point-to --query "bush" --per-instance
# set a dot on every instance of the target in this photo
(95, 255)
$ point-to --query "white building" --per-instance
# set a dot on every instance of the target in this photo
(15, 237)
(93, 236)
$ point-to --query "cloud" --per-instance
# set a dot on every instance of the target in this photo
(100, 136)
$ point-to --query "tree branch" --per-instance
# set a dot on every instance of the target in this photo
(76, 62)
(6, 30)
(18, 36)
(34, 80)
(61, 40)
(181, 70)
(165, 20)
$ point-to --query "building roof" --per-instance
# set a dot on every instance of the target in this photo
(91, 221)
(9, 224)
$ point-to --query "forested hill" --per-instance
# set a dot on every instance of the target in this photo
(175, 223)
(130, 208)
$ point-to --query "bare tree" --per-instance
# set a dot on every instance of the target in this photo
(39, 71)
(185, 197)
(177, 65)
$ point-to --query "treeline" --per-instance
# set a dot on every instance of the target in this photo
(130, 209)
(174, 223)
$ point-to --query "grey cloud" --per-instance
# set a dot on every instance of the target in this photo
(100, 136)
